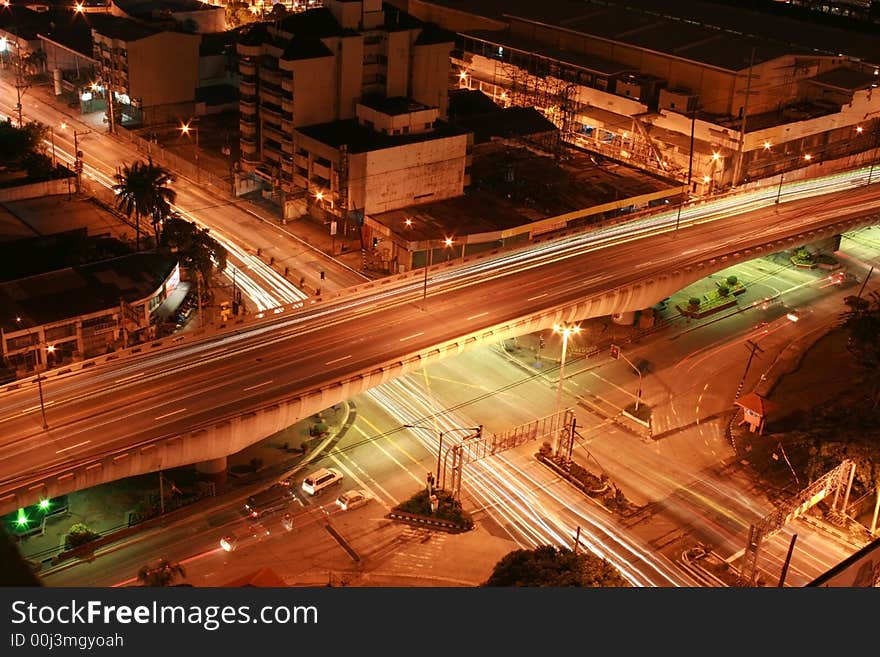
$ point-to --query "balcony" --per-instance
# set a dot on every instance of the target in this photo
(247, 130)
(321, 170)
(270, 94)
(287, 148)
(301, 161)
(248, 88)
(287, 105)
(246, 67)
(270, 113)
(247, 105)
(270, 76)
(287, 85)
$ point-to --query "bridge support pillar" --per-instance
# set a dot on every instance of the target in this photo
(626, 318)
(215, 469)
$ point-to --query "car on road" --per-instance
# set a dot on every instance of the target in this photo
(321, 479)
(276, 497)
(352, 499)
(234, 540)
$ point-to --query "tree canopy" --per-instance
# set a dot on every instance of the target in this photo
(549, 566)
(195, 248)
(142, 190)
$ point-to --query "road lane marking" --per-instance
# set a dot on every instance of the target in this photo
(180, 410)
(130, 378)
(254, 387)
(85, 442)
(414, 335)
(337, 360)
(537, 297)
(480, 315)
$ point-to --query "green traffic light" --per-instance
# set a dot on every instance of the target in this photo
(22, 518)
(44, 505)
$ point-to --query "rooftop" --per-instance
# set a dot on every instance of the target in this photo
(361, 139)
(393, 106)
(716, 35)
(81, 290)
(512, 186)
(847, 78)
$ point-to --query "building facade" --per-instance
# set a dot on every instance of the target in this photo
(134, 62)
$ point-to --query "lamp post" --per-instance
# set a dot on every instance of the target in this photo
(477, 430)
(429, 253)
(185, 129)
(50, 349)
(779, 189)
(617, 353)
(565, 330)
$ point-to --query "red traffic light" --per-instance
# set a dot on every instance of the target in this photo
(615, 352)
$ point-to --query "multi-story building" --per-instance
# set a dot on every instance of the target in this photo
(346, 104)
(152, 74)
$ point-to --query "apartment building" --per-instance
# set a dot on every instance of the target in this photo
(346, 105)
(133, 65)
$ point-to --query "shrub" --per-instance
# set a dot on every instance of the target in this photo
(79, 534)
(694, 301)
(732, 280)
(448, 508)
(723, 290)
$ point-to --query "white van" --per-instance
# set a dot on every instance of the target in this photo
(321, 479)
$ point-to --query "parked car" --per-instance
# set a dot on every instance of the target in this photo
(352, 499)
(321, 479)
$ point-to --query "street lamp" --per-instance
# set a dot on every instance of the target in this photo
(429, 252)
(476, 430)
(617, 353)
(565, 330)
(50, 349)
(185, 129)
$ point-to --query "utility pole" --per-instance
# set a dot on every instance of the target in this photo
(754, 347)
(78, 161)
(787, 561)
(737, 171)
(21, 84)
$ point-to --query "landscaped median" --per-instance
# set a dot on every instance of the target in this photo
(598, 488)
(448, 516)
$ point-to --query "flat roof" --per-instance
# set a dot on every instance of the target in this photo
(393, 106)
(81, 290)
(714, 34)
(514, 185)
(361, 139)
(121, 29)
(847, 78)
(588, 62)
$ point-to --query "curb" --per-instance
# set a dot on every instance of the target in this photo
(425, 520)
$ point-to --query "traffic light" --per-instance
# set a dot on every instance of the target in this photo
(615, 352)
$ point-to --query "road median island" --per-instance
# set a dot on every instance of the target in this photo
(447, 516)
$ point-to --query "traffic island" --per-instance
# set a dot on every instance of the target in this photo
(598, 488)
(438, 511)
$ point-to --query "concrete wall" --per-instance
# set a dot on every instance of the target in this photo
(231, 434)
(149, 61)
(420, 172)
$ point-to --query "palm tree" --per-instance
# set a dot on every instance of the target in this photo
(142, 190)
(162, 573)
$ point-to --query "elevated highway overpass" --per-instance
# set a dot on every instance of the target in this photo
(200, 400)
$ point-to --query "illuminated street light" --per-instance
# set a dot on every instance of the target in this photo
(319, 196)
(185, 129)
(448, 242)
(565, 330)
(808, 157)
(766, 145)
